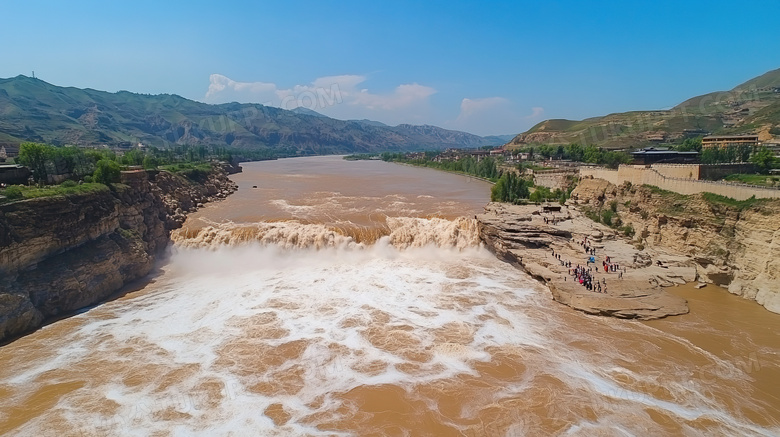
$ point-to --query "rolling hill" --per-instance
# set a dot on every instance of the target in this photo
(33, 110)
(752, 107)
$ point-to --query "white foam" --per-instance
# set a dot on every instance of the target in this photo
(419, 282)
(403, 232)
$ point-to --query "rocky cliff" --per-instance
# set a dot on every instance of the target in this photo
(62, 253)
(733, 244)
(543, 243)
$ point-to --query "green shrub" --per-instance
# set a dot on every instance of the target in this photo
(87, 179)
(613, 205)
(509, 188)
(106, 172)
(68, 184)
(150, 163)
(628, 230)
(13, 192)
(606, 217)
(128, 234)
(715, 199)
(589, 213)
(196, 174)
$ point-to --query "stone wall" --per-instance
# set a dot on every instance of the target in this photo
(680, 171)
(607, 174)
(640, 175)
(553, 179)
(719, 171)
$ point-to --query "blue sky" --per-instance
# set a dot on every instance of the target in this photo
(482, 67)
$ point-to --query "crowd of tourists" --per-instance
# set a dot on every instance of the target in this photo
(585, 274)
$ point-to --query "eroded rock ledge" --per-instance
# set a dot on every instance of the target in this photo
(733, 246)
(519, 235)
(62, 253)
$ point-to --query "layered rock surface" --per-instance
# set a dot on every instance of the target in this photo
(733, 246)
(62, 253)
(520, 235)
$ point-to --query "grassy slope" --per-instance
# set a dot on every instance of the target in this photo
(754, 179)
(701, 112)
(53, 190)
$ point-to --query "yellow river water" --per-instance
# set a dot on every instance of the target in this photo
(353, 298)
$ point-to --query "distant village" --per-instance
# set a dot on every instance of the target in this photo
(644, 156)
(523, 159)
(677, 170)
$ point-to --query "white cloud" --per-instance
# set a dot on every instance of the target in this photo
(346, 97)
(222, 89)
(335, 96)
(492, 115)
(537, 113)
(473, 107)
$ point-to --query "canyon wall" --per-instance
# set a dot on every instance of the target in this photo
(734, 245)
(61, 253)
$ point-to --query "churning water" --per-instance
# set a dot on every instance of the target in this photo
(353, 298)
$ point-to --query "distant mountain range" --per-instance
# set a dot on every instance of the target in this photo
(33, 110)
(753, 107)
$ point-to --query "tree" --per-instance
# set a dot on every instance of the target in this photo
(133, 157)
(764, 159)
(35, 156)
(498, 193)
(546, 151)
(107, 172)
(150, 163)
(575, 152)
(710, 156)
(509, 188)
(592, 154)
(690, 144)
(743, 153)
(72, 160)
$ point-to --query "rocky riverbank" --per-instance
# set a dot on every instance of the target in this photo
(657, 238)
(735, 245)
(62, 253)
(549, 245)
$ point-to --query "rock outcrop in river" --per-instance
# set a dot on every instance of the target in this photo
(59, 254)
(544, 243)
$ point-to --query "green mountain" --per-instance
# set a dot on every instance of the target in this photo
(752, 107)
(33, 110)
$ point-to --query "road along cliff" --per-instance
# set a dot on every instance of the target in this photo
(62, 253)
